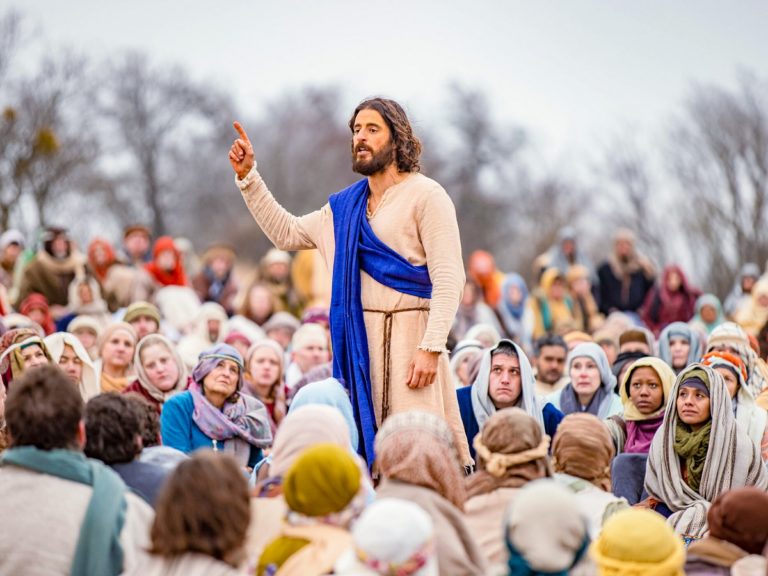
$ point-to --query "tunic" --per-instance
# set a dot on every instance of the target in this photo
(417, 219)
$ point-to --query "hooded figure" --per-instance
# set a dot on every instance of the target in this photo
(673, 300)
(683, 333)
(476, 404)
(512, 306)
(88, 383)
(167, 266)
(482, 269)
(604, 402)
(625, 278)
(12, 355)
(709, 314)
(208, 330)
(739, 296)
(144, 385)
(753, 316)
(732, 338)
(688, 468)
(35, 307)
(551, 306)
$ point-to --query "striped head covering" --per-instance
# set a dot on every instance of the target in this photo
(733, 460)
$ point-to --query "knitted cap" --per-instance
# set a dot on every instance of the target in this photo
(636, 542)
(139, 309)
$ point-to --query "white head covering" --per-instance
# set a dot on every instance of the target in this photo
(463, 349)
(141, 373)
(89, 384)
(391, 535)
(482, 405)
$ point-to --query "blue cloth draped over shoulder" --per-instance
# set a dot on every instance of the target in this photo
(358, 248)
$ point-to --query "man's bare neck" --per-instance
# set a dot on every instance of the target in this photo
(381, 181)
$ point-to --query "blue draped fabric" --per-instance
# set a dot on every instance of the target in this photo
(358, 248)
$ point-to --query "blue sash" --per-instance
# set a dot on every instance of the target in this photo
(358, 248)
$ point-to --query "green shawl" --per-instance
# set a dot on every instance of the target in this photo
(692, 447)
(98, 551)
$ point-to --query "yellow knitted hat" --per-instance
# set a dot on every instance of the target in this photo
(636, 542)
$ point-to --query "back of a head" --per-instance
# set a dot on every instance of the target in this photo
(113, 429)
(204, 507)
(150, 420)
(44, 410)
(323, 480)
(545, 531)
(739, 517)
(393, 536)
(583, 448)
(637, 541)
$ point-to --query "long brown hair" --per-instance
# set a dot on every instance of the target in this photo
(204, 507)
(407, 145)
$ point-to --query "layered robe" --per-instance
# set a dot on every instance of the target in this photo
(417, 220)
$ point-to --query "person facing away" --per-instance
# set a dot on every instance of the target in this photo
(67, 514)
(392, 242)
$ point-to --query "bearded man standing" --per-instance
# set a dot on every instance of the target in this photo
(392, 243)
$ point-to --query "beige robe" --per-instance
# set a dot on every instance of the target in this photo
(484, 515)
(417, 219)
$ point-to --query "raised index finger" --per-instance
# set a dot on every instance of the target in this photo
(241, 131)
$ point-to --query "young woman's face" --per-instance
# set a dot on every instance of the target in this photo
(71, 364)
(731, 382)
(645, 390)
(585, 375)
(33, 356)
(264, 367)
(160, 366)
(679, 348)
(693, 406)
(118, 349)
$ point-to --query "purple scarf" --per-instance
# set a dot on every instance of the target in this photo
(640, 433)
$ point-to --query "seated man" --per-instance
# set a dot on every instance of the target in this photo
(505, 380)
(551, 351)
(113, 432)
(62, 513)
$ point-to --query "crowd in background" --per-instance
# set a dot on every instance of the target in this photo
(616, 415)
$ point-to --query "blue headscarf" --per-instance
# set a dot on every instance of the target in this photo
(331, 393)
(514, 279)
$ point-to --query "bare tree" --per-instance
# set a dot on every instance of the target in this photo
(719, 153)
(154, 114)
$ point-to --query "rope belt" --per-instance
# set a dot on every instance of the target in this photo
(388, 316)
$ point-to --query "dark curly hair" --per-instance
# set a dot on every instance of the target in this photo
(407, 145)
(113, 425)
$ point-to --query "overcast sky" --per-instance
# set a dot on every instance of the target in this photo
(574, 73)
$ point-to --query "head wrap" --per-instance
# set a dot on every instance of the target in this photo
(696, 383)
(89, 384)
(603, 397)
(680, 330)
(418, 448)
(175, 277)
(464, 349)
(332, 393)
(309, 334)
(714, 302)
(545, 531)
(739, 517)
(37, 301)
(281, 320)
(732, 362)
(11, 236)
(666, 376)
(392, 536)
(323, 480)
(116, 327)
(11, 343)
(212, 357)
(636, 542)
(304, 427)
(505, 306)
(483, 406)
(511, 450)
(141, 308)
(732, 336)
(732, 460)
(152, 390)
(583, 448)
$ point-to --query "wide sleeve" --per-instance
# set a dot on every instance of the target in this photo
(176, 425)
(439, 233)
(286, 231)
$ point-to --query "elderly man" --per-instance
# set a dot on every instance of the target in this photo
(392, 242)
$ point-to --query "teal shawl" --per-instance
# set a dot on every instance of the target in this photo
(98, 551)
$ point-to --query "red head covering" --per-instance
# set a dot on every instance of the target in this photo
(175, 277)
(100, 270)
(37, 301)
(482, 269)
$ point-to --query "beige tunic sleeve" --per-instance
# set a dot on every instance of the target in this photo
(439, 231)
(286, 231)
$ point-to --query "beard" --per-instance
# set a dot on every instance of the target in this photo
(378, 162)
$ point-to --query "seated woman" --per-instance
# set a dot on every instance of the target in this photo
(591, 386)
(213, 413)
(417, 459)
(160, 373)
(264, 379)
(115, 365)
(644, 391)
(680, 345)
(751, 418)
(201, 519)
(20, 350)
(581, 457)
(303, 428)
(325, 494)
(71, 356)
(511, 451)
(699, 452)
